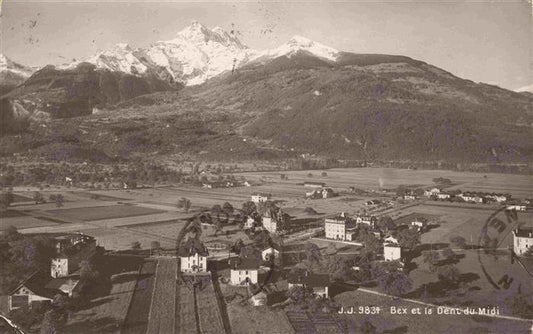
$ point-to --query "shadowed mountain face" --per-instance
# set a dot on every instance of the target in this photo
(55, 93)
(333, 104)
(374, 107)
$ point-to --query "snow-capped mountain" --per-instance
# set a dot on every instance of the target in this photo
(12, 69)
(198, 53)
(12, 74)
(298, 44)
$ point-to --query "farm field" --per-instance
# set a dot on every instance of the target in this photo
(438, 324)
(478, 289)
(516, 185)
(261, 319)
(20, 220)
(106, 314)
(187, 314)
(161, 318)
(208, 310)
(103, 212)
(137, 318)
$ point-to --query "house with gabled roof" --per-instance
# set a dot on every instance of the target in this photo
(522, 240)
(269, 252)
(193, 256)
(318, 283)
(32, 290)
(244, 271)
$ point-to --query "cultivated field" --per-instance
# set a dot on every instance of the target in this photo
(137, 319)
(103, 212)
(187, 313)
(163, 305)
(262, 319)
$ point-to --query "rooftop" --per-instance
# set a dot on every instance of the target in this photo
(192, 247)
(244, 264)
(308, 278)
(526, 232)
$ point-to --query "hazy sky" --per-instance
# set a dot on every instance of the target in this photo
(483, 41)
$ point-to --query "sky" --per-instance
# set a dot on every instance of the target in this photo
(484, 41)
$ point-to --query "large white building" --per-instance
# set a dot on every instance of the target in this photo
(193, 256)
(336, 227)
(522, 240)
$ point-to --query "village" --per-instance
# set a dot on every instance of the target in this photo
(261, 253)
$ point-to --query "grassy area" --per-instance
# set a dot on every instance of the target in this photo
(103, 212)
(23, 221)
(163, 305)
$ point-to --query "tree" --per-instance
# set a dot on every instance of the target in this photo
(449, 274)
(248, 208)
(6, 198)
(57, 199)
(237, 246)
(299, 294)
(431, 258)
(136, 245)
(11, 234)
(88, 272)
(154, 246)
(184, 204)
(385, 223)
(339, 268)
(395, 283)
(227, 208)
(408, 238)
(216, 209)
(310, 175)
(448, 254)
(458, 241)
(324, 174)
(38, 197)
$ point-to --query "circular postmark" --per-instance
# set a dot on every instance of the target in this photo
(494, 232)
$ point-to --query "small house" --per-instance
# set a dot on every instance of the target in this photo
(193, 256)
(71, 250)
(522, 240)
(371, 221)
(260, 197)
(244, 271)
(270, 252)
(431, 192)
(318, 283)
(392, 252)
(259, 299)
(31, 290)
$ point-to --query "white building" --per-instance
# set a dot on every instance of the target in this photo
(443, 196)
(409, 197)
(335, 228)
(421, 224)
(244, 271)
(193, 256)
(366, 220)
(392, 252)
(260, 198)
(270, 252)
(270, 224)
(517, 207)
(522, 240)
(431, 192)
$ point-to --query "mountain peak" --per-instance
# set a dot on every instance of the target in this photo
(7, 64)
(299, 43)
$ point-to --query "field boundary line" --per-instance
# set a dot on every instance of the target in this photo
(153, 294)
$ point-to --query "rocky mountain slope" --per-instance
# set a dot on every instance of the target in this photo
(12, 74)
(302, 97)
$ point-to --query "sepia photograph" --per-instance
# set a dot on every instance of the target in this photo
(266, 167)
